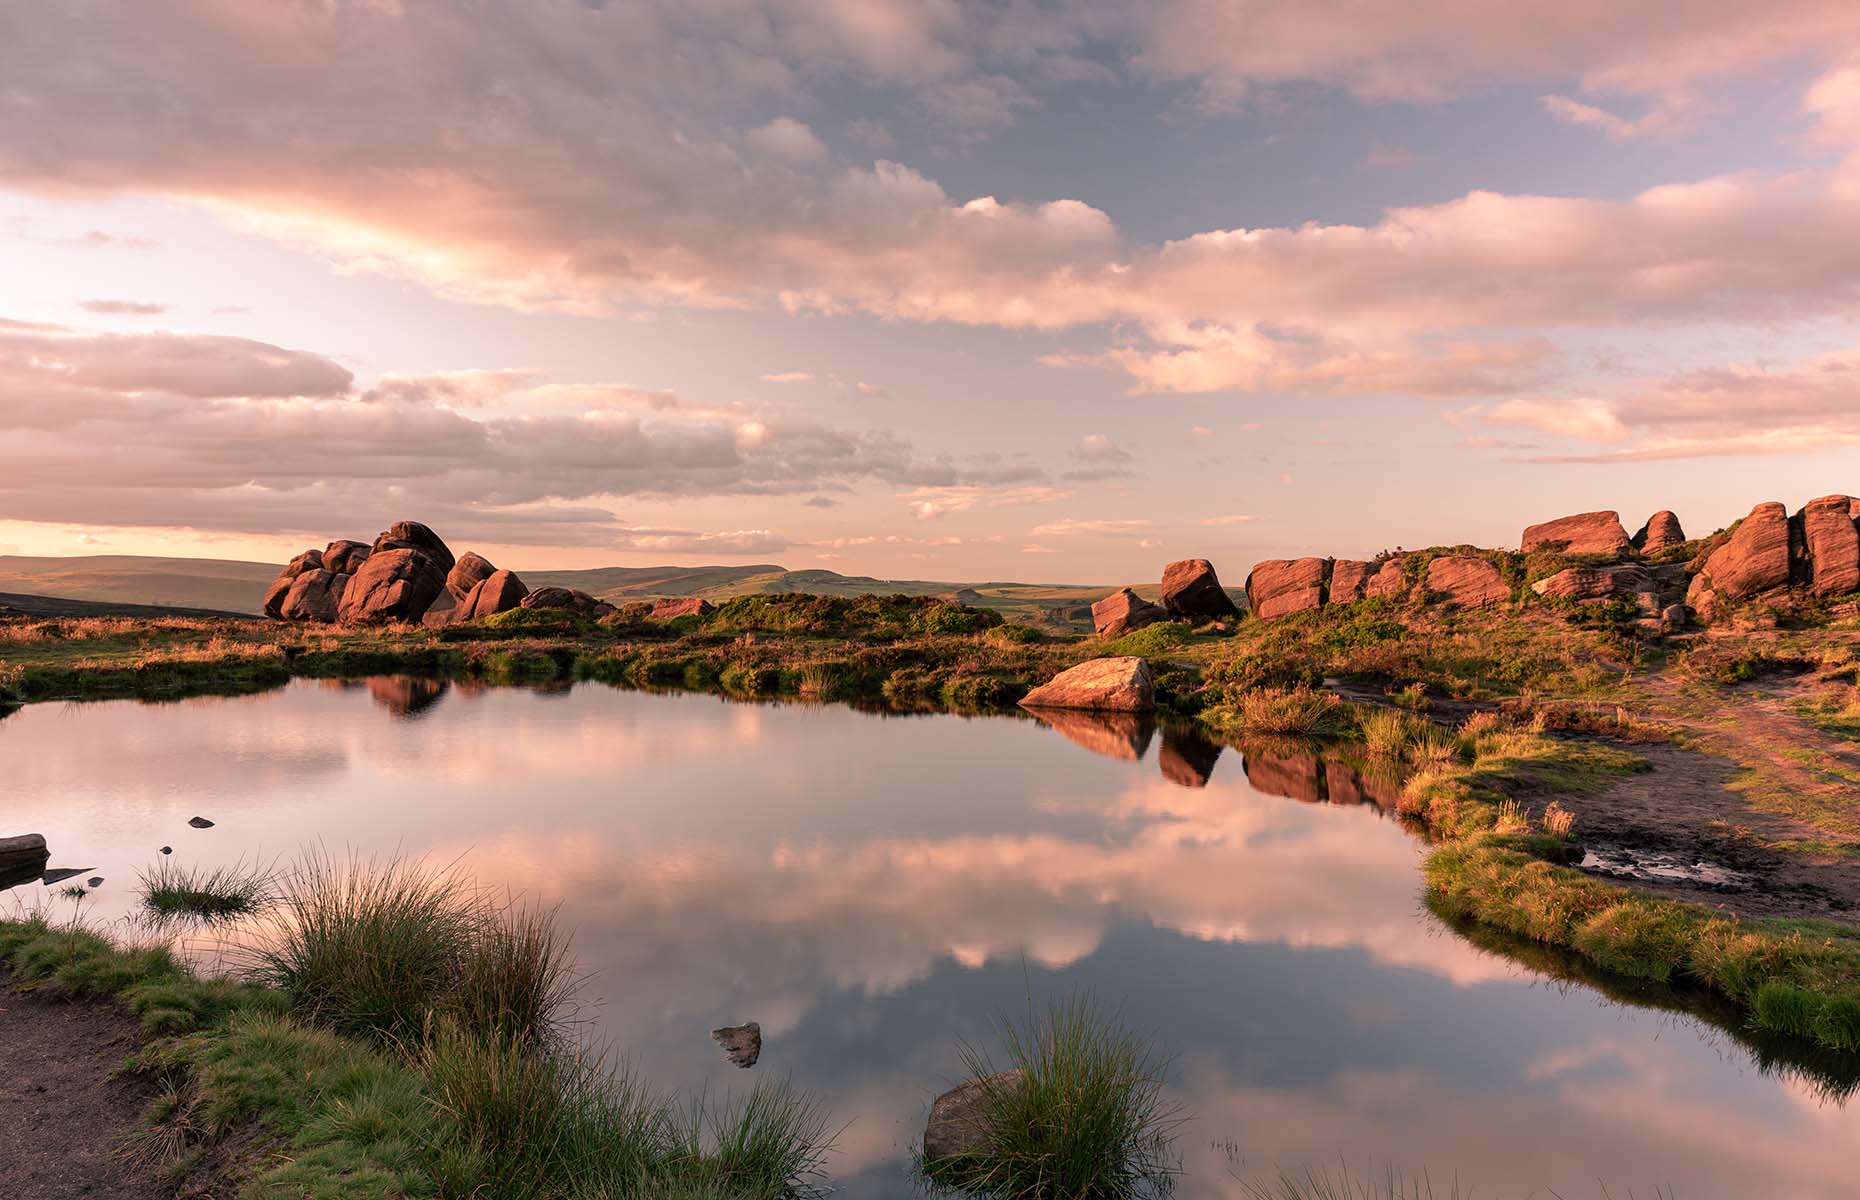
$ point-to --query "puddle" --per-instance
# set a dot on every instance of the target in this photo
(1656, 867)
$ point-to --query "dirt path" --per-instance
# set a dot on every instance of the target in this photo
(64, 1111)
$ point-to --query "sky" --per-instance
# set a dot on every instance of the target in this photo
(1044, 290)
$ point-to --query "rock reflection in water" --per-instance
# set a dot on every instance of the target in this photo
(406, 695)
(1187, 758)
(1120, 735)
(1309, 778)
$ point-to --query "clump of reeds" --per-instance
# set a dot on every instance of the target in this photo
(1078, 1110)
(172, 891)
(1288, 712)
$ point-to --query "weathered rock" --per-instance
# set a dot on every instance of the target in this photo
(1673, 618)
(1832, 544)
(1595, 583)
(1661, 532)
(343, 556)
(392, 585)
(681, 606)
(1390, 582)
(1349, 577)
(1192, 591)
(1583, 533)
(1120, 735)
(498, 592)
(1465, 582)
(1121, 684)
(742, 1044)
(280, 589)
(1124, 610)
(1187, 758)
(1752, 561)
(24, 848)
(444, 610)
(958, 1125)
(411, 535)
(314, 596)
(1286, 585)
(467, 573)
(572, 599)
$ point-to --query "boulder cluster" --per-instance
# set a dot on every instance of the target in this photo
(408, 575)
(1771, 555)
(1191, 592)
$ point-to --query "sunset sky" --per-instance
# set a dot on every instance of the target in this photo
(1043, 290)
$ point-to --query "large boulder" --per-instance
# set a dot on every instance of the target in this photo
(411, 535)
(392, 585)
(1661, 532)
(958, 1126)
(1388, 582)
(572, 599)
(1596, 583)
(498, 592)
(315, 596)
(1124, 610)
(1832, 545)
(1462, 581)
(1286, 585)
(673, 607)
(1753, 561)
(1192, 591)
(467, 573)
(1583, 533)
(280, 589)
(344, 556)
(1349, 577)
(1121, 684)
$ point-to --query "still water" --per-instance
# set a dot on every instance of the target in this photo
(877, 890)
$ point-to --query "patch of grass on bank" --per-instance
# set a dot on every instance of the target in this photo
(1340, 1184)
(171, 891)
(1285, 712)
(1076, 1110)
(434, 1064)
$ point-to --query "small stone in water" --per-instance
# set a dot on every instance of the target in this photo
(95, 881)
(200, 823)
(167, 849)
(742, 1044)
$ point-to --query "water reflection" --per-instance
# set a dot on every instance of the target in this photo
(872, 891)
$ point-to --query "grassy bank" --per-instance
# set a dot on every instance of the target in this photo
(397, 1035)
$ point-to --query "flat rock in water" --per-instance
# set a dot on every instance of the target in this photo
(958, 1125)
(25, 846)
(60, 874)
(95, 881)
(742, 1044)
(200, 823)
(167, 849)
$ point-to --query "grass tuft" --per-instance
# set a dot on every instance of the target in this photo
(171, 891)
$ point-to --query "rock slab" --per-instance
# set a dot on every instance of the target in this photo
(1462, 581)
(1192, 591)
(1582, 533)
(1122, 684)
(1287, 585)
(1124, 610)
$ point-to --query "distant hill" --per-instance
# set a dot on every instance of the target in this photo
(233, 586)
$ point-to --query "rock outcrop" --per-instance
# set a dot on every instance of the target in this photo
(394, 584)
(673, 607)
(314, 596)
(1287, 585)
(344, 557)
(1753, 561)
(1462, 581)
(1596, 583)
(958, 1125)
(1191, 591)
(1122, 611)
(411, 535)
(1583, 533)
(572, 599)
(1830, 542)
(1122, 684)
(500, 591)
(467, 573)
(280, 589)
(1388, 582)
(1661, 532)
(1349, 580)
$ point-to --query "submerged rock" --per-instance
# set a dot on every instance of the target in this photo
(1124, 610)
(1192, 591)
(60, 874)
(200, 823)
(958, 1124)
(95, 881)
(742, 1044)
(1122, 684)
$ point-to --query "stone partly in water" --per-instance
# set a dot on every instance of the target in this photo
(393, 585)
(60, 874)
(1124, 610)
(95, 881)
(1122, 684)
(26, 847)
(959, 1125)
(742, 1044)
(1583, 533)
(200, 823)
(1192, 591)
(1463, 581)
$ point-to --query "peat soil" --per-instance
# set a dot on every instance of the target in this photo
(65, 1108)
